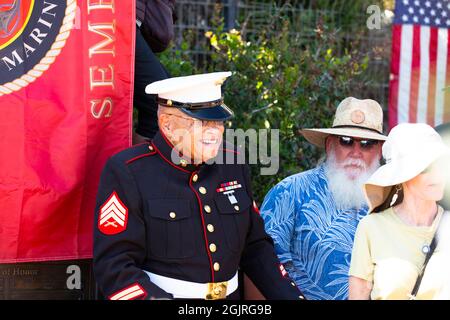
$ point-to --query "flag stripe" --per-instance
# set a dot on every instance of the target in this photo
(405, 74)
(424, 72)
(419, 67)
(441, 68)
(447, 83)
(432, 77)
(395, 65)
(415, 75)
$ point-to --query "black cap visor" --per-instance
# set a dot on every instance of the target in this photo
(217, 113)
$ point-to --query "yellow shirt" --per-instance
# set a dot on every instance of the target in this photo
(388, 253)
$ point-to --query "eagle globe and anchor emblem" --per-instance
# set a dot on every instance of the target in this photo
(32, 35)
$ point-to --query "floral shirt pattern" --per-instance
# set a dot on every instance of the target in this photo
(313, 238)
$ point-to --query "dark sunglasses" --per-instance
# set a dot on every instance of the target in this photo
(364, 143)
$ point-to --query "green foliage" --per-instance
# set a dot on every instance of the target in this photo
(177, 61)
(282, 81)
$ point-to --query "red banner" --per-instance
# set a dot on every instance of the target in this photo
(66, 84)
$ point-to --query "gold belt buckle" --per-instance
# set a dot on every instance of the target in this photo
(217, 290)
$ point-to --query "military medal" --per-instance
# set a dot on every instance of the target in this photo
(231, 197)
(228, 186)
(227, 189)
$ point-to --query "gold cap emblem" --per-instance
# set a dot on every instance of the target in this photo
(357, 116)
(183, 162)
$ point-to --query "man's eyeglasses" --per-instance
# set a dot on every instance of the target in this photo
(364, 143)
(198, 121)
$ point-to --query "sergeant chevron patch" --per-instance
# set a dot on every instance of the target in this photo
(113, 216)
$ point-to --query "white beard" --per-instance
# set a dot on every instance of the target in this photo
(348, 193)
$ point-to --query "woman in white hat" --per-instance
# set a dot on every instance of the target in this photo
(391, 244)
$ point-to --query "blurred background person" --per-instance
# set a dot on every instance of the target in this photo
(391, 243)
(444, 132)
(444, 230)
(154, 33)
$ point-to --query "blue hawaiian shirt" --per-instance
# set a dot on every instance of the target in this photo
(313, 238)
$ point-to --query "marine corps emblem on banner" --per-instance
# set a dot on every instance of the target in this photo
(32, 35)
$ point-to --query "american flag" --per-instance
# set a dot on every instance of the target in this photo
(420, 62)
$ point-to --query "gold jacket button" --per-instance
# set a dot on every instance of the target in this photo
(216, 266)
(236, 208)
(195, 178)
(183, 162)
(207, 209)
(212, 247)
(210, 228)
(202, 190)
(150, 148)
(173, 215)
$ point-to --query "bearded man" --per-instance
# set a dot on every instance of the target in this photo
(173, 220)
(312, 216)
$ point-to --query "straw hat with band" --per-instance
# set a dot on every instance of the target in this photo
(354, 118)
(410, 148)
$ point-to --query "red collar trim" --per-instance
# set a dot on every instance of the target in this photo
(167, 160)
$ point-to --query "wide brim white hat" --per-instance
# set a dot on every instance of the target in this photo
(410, 148)
(354, 118)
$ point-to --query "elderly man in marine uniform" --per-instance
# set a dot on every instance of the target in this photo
(171, 220)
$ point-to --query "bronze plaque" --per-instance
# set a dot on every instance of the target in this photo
(53, 280)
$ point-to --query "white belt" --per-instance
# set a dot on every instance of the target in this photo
(194, 290)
